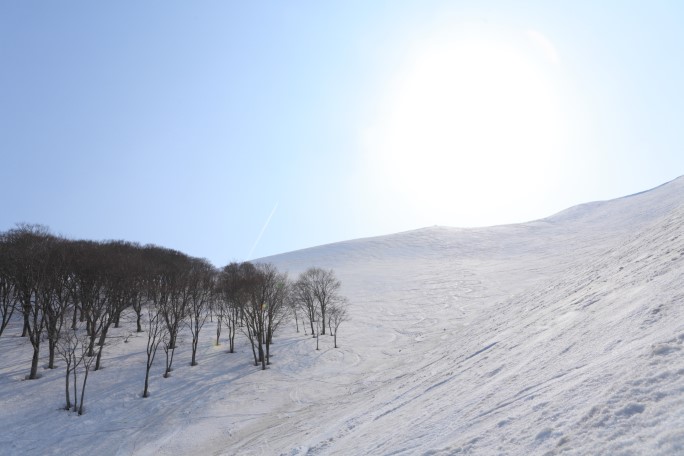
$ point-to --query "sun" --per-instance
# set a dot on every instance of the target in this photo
(471, 127)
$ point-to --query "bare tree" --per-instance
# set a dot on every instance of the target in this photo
(174, 309)
(138, 267)
(217, 309)
(325, 288)
(303, 297)
(253, 284)
(8, 298)
(160, 284)
(317, 322)
(293, 306)
(319, 288)
(65, 348)
(68, 347)
(276, 308)
(72, 346)
(93, 276)
(233, 293)
(138, 297)
(27, 252)
(58, 292)
(118, 288)
(156, 332)
(338, 313)
(85, 360)
(200, 287)
(90, 282)
(264, 307)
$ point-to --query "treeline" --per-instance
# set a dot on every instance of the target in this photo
(69, 294)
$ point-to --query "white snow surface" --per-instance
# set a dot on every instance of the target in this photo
(558, 336)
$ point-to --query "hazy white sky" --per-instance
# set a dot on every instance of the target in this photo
(231, 130)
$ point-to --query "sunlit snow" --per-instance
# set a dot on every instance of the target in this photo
(563, 335)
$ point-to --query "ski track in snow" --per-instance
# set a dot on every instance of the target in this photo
(559, 336)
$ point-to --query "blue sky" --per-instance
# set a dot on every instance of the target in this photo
(192, 124)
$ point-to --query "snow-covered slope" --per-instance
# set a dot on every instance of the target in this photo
(558, 336)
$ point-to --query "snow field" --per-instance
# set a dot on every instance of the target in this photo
(559, 336)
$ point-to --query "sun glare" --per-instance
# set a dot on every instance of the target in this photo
(471, 127)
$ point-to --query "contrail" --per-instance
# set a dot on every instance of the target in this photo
(268, 220)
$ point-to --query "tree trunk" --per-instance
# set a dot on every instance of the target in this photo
(172, 339)
(323, 320)
(194, 350)
(261, 355)
(173, 350)
(152, 346)
(137, 321)
(25, 331)
(268, 352)
(147, 381)
(169, 360)
(256, 360)
(75, 389)
(83, 387)
(51, 349)
(100, 345)
(91, 343)
(335, 337)
(34, 362)
(251, 343)
(97, 360)
(68, 397)
(168, 368)
(231, 334)
(218, 330)
(73, 318)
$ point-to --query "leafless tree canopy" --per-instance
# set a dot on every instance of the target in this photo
(316, 290)
(70, 294)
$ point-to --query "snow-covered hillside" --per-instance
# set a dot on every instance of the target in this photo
(558, 336)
